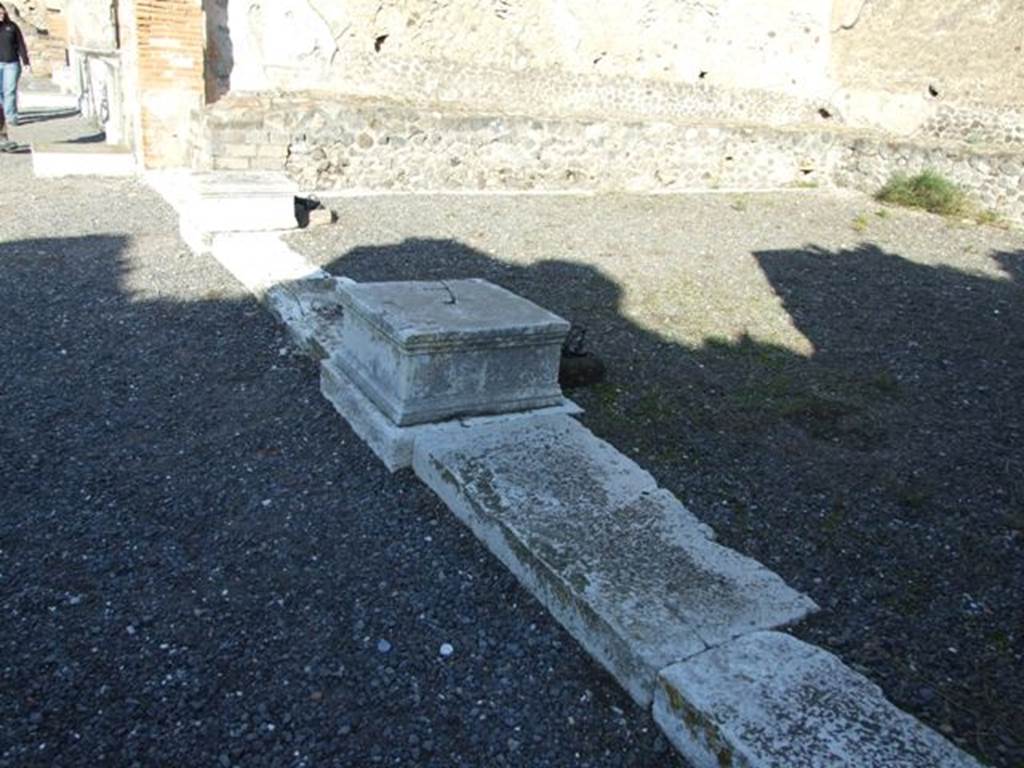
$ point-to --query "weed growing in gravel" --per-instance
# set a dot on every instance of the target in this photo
(860, 224)
(991, 218)
(929, 191)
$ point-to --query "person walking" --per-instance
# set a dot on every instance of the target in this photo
(13, 54)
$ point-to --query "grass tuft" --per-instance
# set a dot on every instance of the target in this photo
(991, 218)
(927, 190)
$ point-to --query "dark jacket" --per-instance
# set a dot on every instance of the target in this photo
(12, 44)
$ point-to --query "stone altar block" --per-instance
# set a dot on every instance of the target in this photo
(240, 201)
(429, 351)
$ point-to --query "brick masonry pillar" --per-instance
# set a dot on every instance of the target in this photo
(170, 35)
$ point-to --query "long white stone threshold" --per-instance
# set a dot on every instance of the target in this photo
(687, 626)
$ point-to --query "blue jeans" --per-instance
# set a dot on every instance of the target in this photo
(9, 74)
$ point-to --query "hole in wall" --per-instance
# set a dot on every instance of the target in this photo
(378, 43)
(933, 91)
(824, 113)
(728, 158)
(806, 171)
(703, 75)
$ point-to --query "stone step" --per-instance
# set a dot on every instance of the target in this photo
(230, 201)
(86, 159)
(630, 573)
(768, 700)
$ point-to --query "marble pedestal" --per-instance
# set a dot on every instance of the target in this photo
(429, 351)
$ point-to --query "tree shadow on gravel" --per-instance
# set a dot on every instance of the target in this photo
(200, 564)
(882, 474)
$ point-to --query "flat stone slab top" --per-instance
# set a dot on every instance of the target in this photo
(86, 159)
(29, 101)
(622, 564)
(239, 201)
(430, 351)
(250, 184)
(768, 699)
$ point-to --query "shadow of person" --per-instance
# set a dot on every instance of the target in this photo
(879, 473)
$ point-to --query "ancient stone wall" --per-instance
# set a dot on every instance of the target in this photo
(915, 66)
(92, 24)
(908, 67)
(660, 95)
(993, 177)
(32, 11)
(301, 44)
(369, 144)
(340, 143)
(964, 50)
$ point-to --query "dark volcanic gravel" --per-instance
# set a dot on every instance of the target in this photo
(834, 386)
(200, 565)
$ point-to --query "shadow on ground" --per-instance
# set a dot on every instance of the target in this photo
(200, 565)
(883, 474)
(45, 115)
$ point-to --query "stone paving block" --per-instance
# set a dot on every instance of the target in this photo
(242, 201)
(768, 700)
(261, 260)
(622, 564)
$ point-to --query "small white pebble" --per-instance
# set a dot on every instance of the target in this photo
(447, 649)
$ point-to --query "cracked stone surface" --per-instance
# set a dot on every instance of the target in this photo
(623, 565)
(769, 699)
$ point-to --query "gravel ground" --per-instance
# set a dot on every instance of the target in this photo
(833, 385)
(201, 565)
